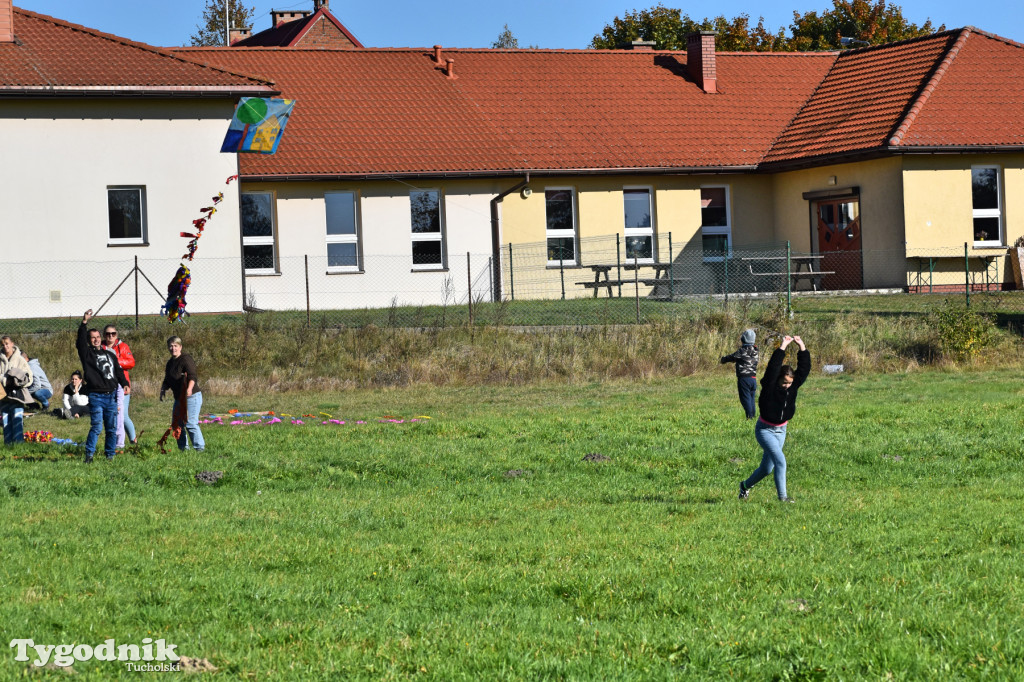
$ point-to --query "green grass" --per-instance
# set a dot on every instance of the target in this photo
(394, 551)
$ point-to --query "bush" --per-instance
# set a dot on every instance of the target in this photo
(962, 332)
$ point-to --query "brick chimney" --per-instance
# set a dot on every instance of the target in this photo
(642, 45)
(6, 21)
(317, 4)
(239, 33)
(278, 17)
(700, 60)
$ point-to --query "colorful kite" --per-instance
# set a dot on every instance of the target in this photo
(257, 125)
(174, 307)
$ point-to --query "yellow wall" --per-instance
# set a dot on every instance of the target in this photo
(881, 213)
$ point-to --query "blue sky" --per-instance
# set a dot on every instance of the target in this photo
(477, 23)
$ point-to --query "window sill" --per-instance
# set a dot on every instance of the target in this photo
(345, 272)
(115, 245)
(250, 273)
(989, 246)
(430, 269)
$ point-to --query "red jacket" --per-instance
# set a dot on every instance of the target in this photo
(124, 358)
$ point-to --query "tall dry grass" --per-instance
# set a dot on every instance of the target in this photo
(261, 353)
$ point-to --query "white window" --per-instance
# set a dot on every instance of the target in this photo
(428, 251)
(987, 213)
(342, 232)
(638, 216)
(715, 226)
(126, 214)
(560, 209)
(259, 245)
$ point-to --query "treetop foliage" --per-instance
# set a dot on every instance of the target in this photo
(211, 31)
(866, 22)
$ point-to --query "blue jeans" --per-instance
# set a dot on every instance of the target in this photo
(42, 396)
(124, 422)
(102, 414)
(747, 387)
(771, 439)
(193, 405)
(14, 426)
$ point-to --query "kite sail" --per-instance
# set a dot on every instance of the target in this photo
(257, 125)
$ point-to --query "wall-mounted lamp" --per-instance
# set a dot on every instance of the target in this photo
(526, 192)
(832, 180)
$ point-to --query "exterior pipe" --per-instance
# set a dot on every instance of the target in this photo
(496, 237)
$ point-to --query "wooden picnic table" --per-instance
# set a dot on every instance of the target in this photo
(806, 267)
(662, 276)
(924, 278)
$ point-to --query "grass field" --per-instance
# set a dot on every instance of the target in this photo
(395, 551)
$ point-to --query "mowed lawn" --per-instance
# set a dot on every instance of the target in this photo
(479, 544)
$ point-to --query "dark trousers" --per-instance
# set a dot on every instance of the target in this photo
(747, 387)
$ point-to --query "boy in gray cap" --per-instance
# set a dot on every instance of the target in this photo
(746, 359)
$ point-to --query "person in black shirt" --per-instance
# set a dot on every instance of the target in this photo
(182, 379)
(746, 359)
(779, 387)
(103, 374)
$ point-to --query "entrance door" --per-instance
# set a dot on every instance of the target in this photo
(838, 224)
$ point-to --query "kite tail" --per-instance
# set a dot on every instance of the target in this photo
(178, 418)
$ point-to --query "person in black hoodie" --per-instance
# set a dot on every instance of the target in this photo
(746, 359)
(779, 387)
(103, 374)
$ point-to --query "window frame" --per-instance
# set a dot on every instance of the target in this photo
(717, 230)
(354, 238)
(439, 236)
(143, 238)
(572, 233)
(650, 231)
(261, 240)
(996, 212)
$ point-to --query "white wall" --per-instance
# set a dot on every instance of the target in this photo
(59, 157)
(386, 242)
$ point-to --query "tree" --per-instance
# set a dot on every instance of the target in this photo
(870, 21)
(508, 41)
(873, 23)
(211, 31)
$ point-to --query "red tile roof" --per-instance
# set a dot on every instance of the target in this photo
(956, 89)
(50, 56)
(290, 33)
(977, 100)
(393, 111)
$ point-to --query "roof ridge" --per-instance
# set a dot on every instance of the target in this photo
(994, 36)
(145, 47)
(799, 110)
(929, 87)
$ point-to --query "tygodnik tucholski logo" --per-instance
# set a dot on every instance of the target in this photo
(67, 654)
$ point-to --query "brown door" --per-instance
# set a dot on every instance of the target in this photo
(839, 242)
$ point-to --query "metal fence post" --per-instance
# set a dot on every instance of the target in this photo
(636, 286)
(725, 262)
(967, 276)
(136, 292)
(789, 280)
(618, 265)
(305, 258)
(561, 267)
(469, 288)
(671, 274)
(511, 276)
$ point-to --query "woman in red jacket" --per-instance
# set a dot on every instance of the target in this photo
(127, 361)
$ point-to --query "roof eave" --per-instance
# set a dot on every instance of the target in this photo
(496, 173)
(229, 91)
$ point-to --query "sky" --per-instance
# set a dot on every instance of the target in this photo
(568, 24)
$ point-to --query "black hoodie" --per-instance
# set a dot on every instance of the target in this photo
(102, 372)
(778, 404)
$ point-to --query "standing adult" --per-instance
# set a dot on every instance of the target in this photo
(182, 379)
(40, 388)
(777, 403)
(16, 376)
(103, 374)
(113, 342)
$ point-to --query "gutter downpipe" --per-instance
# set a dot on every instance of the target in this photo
(496, 236)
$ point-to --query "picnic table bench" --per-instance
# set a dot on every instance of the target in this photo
(924, 277)
(806, 267)
(662, 276)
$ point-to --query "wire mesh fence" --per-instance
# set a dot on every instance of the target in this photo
(590, 280)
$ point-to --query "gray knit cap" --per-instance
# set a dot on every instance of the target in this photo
(748, 336)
